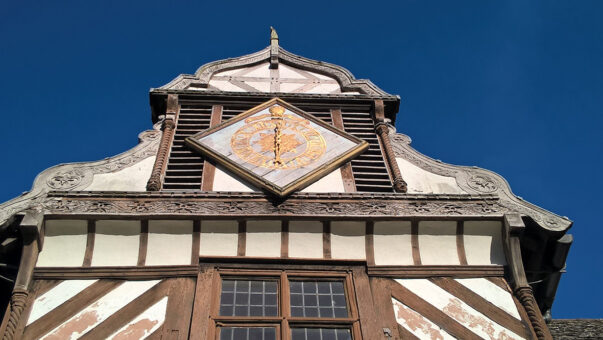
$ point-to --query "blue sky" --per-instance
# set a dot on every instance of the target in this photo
(513, 86)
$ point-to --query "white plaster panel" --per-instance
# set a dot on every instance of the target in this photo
(263, 238)
(219, 238)
(289, 87)
(348, 240)
(289, 72)
(56, 296)
(262, 71)
(417, 324)
(483, 242)
(332, 182)
(116, 243)
(100, 310)
(225, 86)
(392, 243)
(224, 181)
(305, 239)
(493, 293)
(437, 243)
(144, 324)
(457, 309)
(169, 242)
(64, 243)
(132, 178)
(262, 86)
(425, 182)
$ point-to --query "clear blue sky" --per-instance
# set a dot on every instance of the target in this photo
(511, 86)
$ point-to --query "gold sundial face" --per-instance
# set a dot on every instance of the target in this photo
(277, 147)
(278, 141)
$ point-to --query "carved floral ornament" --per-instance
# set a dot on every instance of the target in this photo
(474, 180)
(76, 176)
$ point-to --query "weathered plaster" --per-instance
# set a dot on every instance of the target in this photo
(263, 238)
(392, 243)
(437, 243)
(305, 239)
(348, 240)
(170, 242)
(116, 243)
(132, 178)
(64, 243)
(219, 238)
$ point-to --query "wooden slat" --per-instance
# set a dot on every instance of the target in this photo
(480, 304)
(125, 314)
(69, 308)
(430, 312)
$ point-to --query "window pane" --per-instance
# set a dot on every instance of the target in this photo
(321, 334)
(249, 298)
(325, 299)
(247, 333)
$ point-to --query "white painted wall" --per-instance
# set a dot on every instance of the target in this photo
(263, 238)
(224, 181)
(132, 178)
(64, 243)
(493, 293)
(305, 239)
(392, 243)
(483, 242)
(56, 296)
(219, 238)
(116, 243)
(169, 242)
(332, 182)
(420, 181)
(348, 240)
(437, 243)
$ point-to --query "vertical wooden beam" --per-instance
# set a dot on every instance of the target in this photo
(414, 241)
(196, 242)
(200, 324)
(209, 170)
(90, 243)
(285, 239)
(369, 243)
(460, 242)
(242, 245)
(383, 132)
(168, 126)
(349, 184)
(382, 300)
(144, 242)
(326, 239)
(30, 230)
(369, 323)
(513, 227)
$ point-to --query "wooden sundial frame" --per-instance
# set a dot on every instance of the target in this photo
(249, 176)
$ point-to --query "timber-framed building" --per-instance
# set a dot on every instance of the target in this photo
(274, 199)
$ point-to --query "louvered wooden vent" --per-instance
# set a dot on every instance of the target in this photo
(185, 167)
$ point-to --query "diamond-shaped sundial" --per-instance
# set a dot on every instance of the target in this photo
(277, 146)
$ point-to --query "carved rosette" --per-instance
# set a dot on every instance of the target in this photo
(65, 180)
(482, 183)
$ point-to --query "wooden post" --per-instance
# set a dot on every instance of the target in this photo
(514, 226)
(382, 130)
(168, 126)
(30, 230)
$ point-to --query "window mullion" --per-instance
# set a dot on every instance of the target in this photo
(285, 309)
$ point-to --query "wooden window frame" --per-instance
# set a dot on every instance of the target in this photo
(283, 322)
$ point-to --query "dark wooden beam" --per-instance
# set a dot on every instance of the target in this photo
(168, 127)
(382, 130)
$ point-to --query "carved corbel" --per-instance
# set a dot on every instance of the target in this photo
(382, 129)
(168, 126)
(513, 229)
(30, 228)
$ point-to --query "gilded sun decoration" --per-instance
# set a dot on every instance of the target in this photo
(278, 141)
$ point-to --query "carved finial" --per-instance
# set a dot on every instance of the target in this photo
(273, 48)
